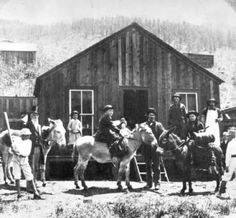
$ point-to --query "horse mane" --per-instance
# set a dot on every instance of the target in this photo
(177, 138)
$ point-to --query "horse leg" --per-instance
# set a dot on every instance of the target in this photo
(183, 188)
(82, 169)
(121, 171)
(43, 165)
(76, 175)
(4, 169)
(7, 160)
(127, 176)
(218, 178)
(190, 189)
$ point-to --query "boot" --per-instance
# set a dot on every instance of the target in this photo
(18, 189)
(222, 192)
(35, 191)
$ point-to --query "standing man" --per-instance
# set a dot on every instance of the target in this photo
(230, 163)
(177, 116)
(212, 116)
(36, 138)
(151, 156)
(21, 146)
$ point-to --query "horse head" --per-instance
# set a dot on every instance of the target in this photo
(144, 133)
(168, 140)
(55, 132)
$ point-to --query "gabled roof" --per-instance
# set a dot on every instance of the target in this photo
(150, 35)
(13, 46)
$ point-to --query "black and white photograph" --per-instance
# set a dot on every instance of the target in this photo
(117, 108)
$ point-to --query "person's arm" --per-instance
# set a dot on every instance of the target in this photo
(203, 117)
(80, 127)
(228, 153)
(220, 115)
(69, 126)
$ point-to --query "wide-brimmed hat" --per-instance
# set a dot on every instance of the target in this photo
(151, 110)
(212, 100)
(107, 107)
(176, 95)
(192, 112)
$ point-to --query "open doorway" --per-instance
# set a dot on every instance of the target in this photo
(135, 104)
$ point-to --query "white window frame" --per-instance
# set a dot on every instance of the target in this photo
(81, 99)
(192, 93)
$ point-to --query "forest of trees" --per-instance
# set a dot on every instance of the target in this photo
(60, 41)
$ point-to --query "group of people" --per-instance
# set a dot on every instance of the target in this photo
(186, 125)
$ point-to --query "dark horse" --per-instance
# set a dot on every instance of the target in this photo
(207, 158)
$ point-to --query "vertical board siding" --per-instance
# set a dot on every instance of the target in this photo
(130, 59)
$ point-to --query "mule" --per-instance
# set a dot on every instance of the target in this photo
(54, 134)
(88, 148)
(213, 167)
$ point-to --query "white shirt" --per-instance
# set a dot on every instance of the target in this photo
(231, 150)
(21, 147)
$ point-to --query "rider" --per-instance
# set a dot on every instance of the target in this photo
(193, 124)
(107, 132)
(151, 156)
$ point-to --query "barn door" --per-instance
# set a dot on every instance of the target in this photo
(135, 104)
(83, 101)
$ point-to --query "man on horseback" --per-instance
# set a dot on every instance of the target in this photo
(108, 133)
(151, 156)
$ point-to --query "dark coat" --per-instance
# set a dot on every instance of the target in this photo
(177, 118)
(35, 137)
(106, 130)
(194, 126)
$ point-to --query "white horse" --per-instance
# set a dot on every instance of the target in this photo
(87, 147)
(55, 133)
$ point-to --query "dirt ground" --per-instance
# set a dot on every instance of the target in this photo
(63, 193)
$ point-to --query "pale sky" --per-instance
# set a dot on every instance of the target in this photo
(213, 12)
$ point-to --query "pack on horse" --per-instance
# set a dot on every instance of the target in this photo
(206, 157)
(88, 148)
(54, 133)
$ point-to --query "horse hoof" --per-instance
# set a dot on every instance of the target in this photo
(44, 184)
(85, 188)
(182, 192)
(190, 191)
(12, 182)
(6, 183)
(77, 187)
(120, 188)
(130, 187)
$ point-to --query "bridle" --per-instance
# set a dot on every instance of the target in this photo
(178, 147)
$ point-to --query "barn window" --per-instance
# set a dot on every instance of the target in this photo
(82, 100)
(190, 99)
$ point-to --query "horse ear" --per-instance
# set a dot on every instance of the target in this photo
(51, 121)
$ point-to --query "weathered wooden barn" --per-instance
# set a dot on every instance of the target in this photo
(12, 52)
(15, 106)
(132, 69)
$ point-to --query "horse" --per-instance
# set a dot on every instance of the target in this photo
(88, 148)
(181, 150)
(54, 134)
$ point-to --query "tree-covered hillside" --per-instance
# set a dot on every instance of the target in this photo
(58, 42)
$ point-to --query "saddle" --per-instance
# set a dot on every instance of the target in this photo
(118, 148)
